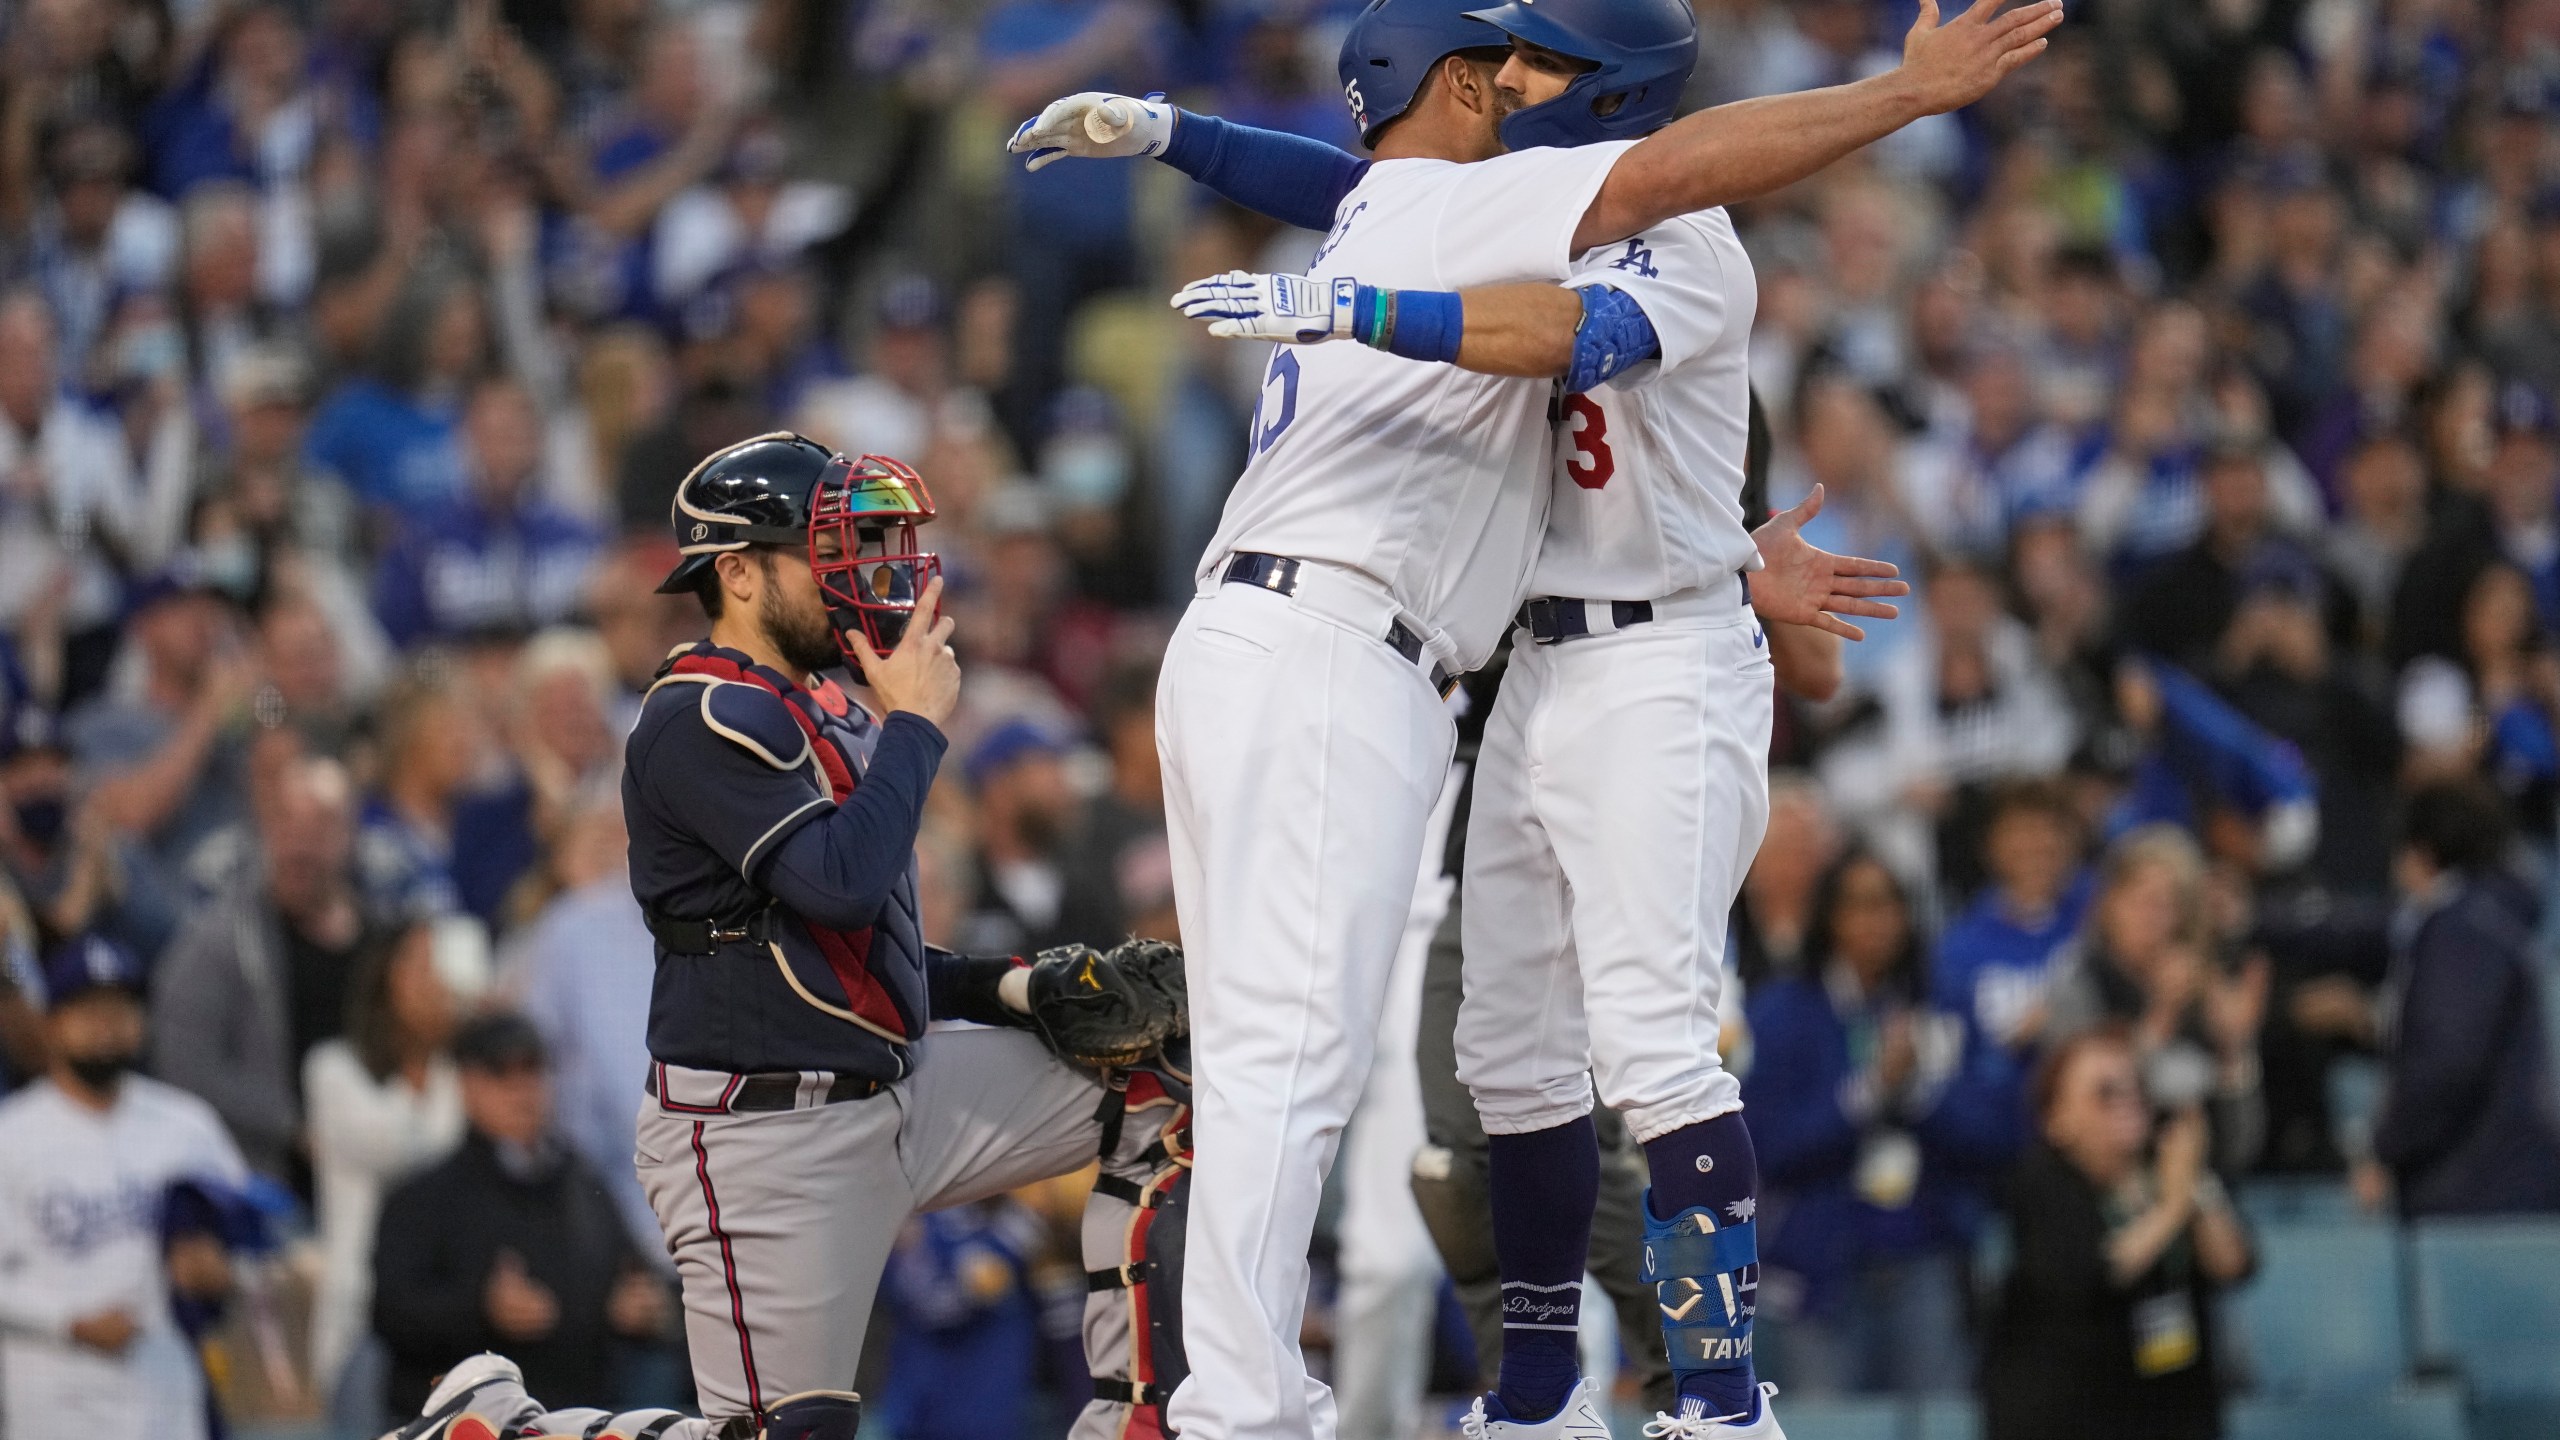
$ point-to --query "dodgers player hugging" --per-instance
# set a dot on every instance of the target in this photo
(1382, 533)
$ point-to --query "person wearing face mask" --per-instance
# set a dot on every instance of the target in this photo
(1018, 775)
(89, 1344)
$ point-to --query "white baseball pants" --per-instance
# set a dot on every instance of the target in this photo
(1622, 790)
(1301, 756)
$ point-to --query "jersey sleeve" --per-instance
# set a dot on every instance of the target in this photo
(1680, 278)
(733, 768)
(1512, 218)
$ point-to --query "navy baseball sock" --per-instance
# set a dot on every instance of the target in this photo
(1544, 1185)
(1711, 1166)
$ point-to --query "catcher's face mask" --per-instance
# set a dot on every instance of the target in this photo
(863, 548)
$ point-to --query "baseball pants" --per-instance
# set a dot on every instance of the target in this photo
(1301, 756)
(781, 1221)
(1621, 793)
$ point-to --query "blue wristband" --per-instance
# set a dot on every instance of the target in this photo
(1416, 324)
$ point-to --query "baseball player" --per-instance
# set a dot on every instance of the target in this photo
(90, 1343)
(798, 1113)
(1376, 544)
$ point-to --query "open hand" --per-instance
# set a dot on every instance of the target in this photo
(1803, 584)
(1957, 63)
(1094, 125)
(1291, 309)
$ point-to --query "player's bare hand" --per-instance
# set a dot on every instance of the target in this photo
(1094, 125)
(1801, 583)
(519, 1306)
(107, 1332)
(1954, 64)
(1290, 309)
(921, 676)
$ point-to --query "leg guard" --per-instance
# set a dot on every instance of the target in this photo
(1133, 1244)
(1698, 1276)
(814, 1415)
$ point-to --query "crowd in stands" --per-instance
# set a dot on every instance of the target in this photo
(2202, 380)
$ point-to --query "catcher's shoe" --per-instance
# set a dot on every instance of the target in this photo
(813, 1415)
(1693, 1423)
(486, 1388)
(1579, 1418)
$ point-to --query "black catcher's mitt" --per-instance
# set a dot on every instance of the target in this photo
(1108, 1008)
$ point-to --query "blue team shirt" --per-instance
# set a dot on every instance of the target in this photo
(391, 449)
(465, 569)
(1992, 967)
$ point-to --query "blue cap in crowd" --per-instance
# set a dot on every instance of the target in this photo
(85, 963)
(1009, 744)
(2524, 410)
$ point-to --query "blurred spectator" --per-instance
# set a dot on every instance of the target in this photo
(384, 1101)
(1018, 776)
(904, 393)
(96, 236)
(89, 1344)
(2384, 521)
(667, 133)
(1775, 909)
(430, 755)
(262, 973)
(1069, 225)
(586, 962)
(166, 758)
(560, 741)
(1997, 962)
(2105, 1327)
(957, 1285)
(511, 1244)
(1118, 868)
(2467, 1124)
(69, 491)
(2185, 608)
(57, 859)
(2147, 963)
(499, 561)
(393, 437)
(1873, 1127)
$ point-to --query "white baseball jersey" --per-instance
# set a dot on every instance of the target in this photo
(1429, 479)
(79, 1234)
(1648, 496)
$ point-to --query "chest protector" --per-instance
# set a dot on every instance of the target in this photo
(839, 977)
(1133, 1243)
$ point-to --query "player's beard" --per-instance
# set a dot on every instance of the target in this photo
(801, 634)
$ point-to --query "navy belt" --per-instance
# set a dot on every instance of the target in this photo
(1279, 574)
(1552, 619)
(780, 1090)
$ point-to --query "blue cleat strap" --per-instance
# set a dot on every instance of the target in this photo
(1672, 1255)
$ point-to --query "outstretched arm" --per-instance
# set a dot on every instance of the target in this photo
(1290, 178)
(1752, 147)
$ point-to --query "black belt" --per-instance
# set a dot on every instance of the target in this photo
(1122, 1392)
(1550, 619)
(781, 1091)
(1279, 574)
(705, 937)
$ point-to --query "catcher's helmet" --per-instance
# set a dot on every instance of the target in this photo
(1643, 51)
(788, 490)
(1392, 46)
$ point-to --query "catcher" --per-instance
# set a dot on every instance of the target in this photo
(798, 1112)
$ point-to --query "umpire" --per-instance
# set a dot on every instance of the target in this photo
(798, 1114)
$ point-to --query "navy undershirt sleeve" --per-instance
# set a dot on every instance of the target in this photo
(838, 868)
(965, 987)
(1288, 177)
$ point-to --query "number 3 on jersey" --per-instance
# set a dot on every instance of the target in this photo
(1587, 432)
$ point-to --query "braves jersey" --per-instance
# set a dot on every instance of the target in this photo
(1429, 479)
(1648, 493)
(729, 761)
(80, 1205)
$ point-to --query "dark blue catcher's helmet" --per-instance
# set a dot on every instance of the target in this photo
(1642, 51)
(1391, 48)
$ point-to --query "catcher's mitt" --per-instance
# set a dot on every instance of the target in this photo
(1108, 1008)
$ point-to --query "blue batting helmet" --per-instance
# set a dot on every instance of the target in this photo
(1643, 51)
(1392, 47)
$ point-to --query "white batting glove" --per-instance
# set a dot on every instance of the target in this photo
(1094, 125)
(1292, 309)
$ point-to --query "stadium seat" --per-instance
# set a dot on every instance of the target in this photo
(1842, 1418)
(2321, 1317)
(2488, 1304)
(2298, 1199)
(1947, 1418)
(2418, 1413)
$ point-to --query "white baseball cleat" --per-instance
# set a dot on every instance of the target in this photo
(485, 1388)
(1692, 1423)
(1580, 1418)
